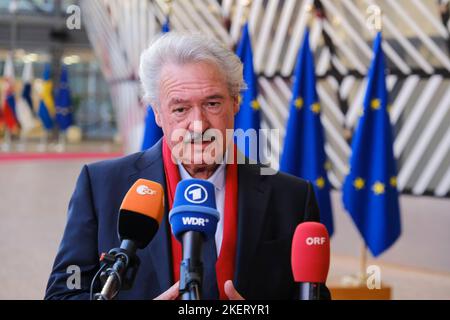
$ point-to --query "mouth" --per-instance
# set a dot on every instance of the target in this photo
(202, 142)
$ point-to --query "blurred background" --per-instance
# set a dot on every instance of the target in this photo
(69, 72)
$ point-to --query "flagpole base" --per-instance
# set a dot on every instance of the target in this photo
(43, 144)
(61, 146)
(355, 280)
(22, 144)
(342, 292)
(6, 145)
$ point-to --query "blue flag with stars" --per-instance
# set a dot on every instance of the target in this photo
(63, 102)
(249, 116)
(152, 132)
(303, 152)
(370, 189)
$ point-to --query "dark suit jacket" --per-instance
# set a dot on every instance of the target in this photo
(269, 209)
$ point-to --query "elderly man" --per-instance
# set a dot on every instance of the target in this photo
(193, 84)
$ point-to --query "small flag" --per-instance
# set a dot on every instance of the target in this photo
(249, 115)
(9, 102)
(63, 102)
(303, 153)
(25, 111)
(46, 110)
(370, 189)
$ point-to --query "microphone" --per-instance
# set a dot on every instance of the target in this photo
(194, 220)
(140, 215)
(310, 258)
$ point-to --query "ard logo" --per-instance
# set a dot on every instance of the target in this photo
(196, 194)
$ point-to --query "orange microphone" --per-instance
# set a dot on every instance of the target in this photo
(140, 215)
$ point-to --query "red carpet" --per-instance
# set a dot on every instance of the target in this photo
(15, 156)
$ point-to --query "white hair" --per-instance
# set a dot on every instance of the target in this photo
(178, 48)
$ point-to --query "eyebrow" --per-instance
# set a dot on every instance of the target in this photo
(211, 97)
(215, 96)
(177, 100)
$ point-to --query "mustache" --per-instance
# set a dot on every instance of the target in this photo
(197, 137)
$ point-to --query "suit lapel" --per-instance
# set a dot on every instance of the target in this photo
(150, 166)
(253, 197)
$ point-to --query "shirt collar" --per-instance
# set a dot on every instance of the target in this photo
(218, 177)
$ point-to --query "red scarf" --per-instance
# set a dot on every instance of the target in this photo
(226, 260)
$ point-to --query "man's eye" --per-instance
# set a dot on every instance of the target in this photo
(179, 110)
(213, 104)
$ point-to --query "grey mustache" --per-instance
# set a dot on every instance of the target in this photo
(195, 137)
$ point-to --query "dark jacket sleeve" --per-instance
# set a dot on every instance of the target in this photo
(78, 248)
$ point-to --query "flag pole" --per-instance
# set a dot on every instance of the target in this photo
(169, 4)
(363, 264)
(21, 146)
(309, 15)
(43, 142)
(61, 146)
(6, 145)
(375, 25)
(246, 4)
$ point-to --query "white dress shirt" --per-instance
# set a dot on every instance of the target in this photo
(218, 180)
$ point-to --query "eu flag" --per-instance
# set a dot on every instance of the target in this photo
(370, 189)
(46, 109)
(303, 152)
(249, 116)
(152, 132)
(63, 102)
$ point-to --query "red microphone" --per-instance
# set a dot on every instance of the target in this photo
(310, 258)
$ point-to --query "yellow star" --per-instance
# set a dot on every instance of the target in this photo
(255, 105)
(393, 182)
(375, 104)
(359, 183)
(320, 182)
(315, 107)
(298, 103)
(389, 109)
(378, 188)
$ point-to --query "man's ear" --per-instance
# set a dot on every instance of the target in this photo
(157, 116)
(236, 104)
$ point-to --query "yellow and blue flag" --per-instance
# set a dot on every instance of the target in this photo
(249, 115)
(370, 189)
(63, 102)
(152, 132)
(303, 152)
(46, 109)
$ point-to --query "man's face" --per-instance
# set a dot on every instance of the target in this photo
(194, 98)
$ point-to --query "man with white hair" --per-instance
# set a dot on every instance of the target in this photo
(193, 84)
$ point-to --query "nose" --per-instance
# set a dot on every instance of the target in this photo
(198, 121)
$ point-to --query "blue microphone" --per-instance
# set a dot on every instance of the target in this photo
(194, 220)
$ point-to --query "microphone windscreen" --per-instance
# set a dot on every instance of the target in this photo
(194, 208)
(141, 212)
(310, 256)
